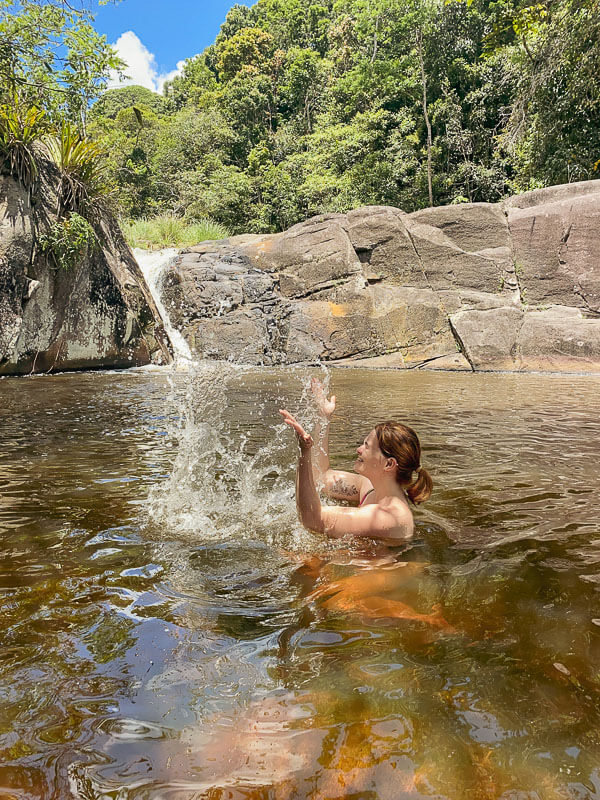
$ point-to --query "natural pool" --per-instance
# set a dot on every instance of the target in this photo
(159, 635)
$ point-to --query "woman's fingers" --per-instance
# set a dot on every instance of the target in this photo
(290, 420)
(303, 437)
(326, 406)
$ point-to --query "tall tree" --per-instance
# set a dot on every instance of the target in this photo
(51, 53)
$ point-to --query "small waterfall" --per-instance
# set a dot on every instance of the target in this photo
(220, 483)
(154, 265)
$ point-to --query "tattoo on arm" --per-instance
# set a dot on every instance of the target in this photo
(341, 487)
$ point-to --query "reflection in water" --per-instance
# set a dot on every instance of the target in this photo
(372, 595)
(170, 632)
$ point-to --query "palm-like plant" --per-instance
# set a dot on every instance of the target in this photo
(85, 182)
(21, 126)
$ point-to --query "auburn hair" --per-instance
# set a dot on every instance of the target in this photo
(401, 443)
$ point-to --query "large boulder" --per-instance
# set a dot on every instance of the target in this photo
(98, 313)
(513, 286)
(556, 251)
(488, 337)
(474, 227)
(559, 339)
(385, 247)
(309, 257)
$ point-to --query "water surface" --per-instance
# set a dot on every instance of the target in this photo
(170, 632)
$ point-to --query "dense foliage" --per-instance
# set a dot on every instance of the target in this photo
(52, 58)
(52, 64)
(68, 240)
(308, 106)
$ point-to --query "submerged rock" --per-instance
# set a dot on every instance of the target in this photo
(512, 286)
(96, 314)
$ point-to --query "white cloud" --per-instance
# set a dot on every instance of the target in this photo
(141, 65)
(170, 75)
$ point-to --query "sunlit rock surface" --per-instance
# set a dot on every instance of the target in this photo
(99, 314)
(511, 286)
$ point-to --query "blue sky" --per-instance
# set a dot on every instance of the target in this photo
(156, 36)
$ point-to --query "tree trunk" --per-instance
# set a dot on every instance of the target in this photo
(375, 40)
(425, 113)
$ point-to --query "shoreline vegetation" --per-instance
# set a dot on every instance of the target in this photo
(166, 230)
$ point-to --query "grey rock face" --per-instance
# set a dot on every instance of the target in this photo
(556, 251)
(559, 339)
(512, 286)
(98, 314)
(489, 337)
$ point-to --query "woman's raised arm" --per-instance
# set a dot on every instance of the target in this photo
(377, 521)
(335, 483)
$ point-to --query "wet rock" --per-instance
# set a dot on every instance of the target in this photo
(240, 332)
(99, 314)
(15, 251)
(257, 287)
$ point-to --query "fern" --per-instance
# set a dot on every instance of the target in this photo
(68, 241)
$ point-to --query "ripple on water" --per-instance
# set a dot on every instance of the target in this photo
(174, 646)
(133, 729)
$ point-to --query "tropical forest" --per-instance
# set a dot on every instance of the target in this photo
(302, 108)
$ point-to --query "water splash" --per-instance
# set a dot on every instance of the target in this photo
(154, 265)
(226, 480)
(222, 483)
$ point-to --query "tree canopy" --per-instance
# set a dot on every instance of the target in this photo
(301, 107)
(51, 57)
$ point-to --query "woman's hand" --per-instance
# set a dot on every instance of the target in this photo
(305, 440)
(325, 406)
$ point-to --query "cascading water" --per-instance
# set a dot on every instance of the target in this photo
(224, 482)
(154, 265)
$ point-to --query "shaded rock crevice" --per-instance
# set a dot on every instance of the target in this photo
(460, 344)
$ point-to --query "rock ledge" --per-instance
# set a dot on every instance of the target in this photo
(512, 286)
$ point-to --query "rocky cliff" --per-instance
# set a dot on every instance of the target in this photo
(98, 313)
(512, 286)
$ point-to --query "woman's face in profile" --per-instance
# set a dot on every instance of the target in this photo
(369, 454)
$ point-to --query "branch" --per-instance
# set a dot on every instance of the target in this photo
(23, 82)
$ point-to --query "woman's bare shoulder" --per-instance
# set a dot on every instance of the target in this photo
(401, 512)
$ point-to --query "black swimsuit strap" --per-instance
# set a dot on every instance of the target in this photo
(365, 497)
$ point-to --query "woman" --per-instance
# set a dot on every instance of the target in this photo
(388, 476)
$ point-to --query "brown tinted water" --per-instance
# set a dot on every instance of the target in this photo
(169, 632)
